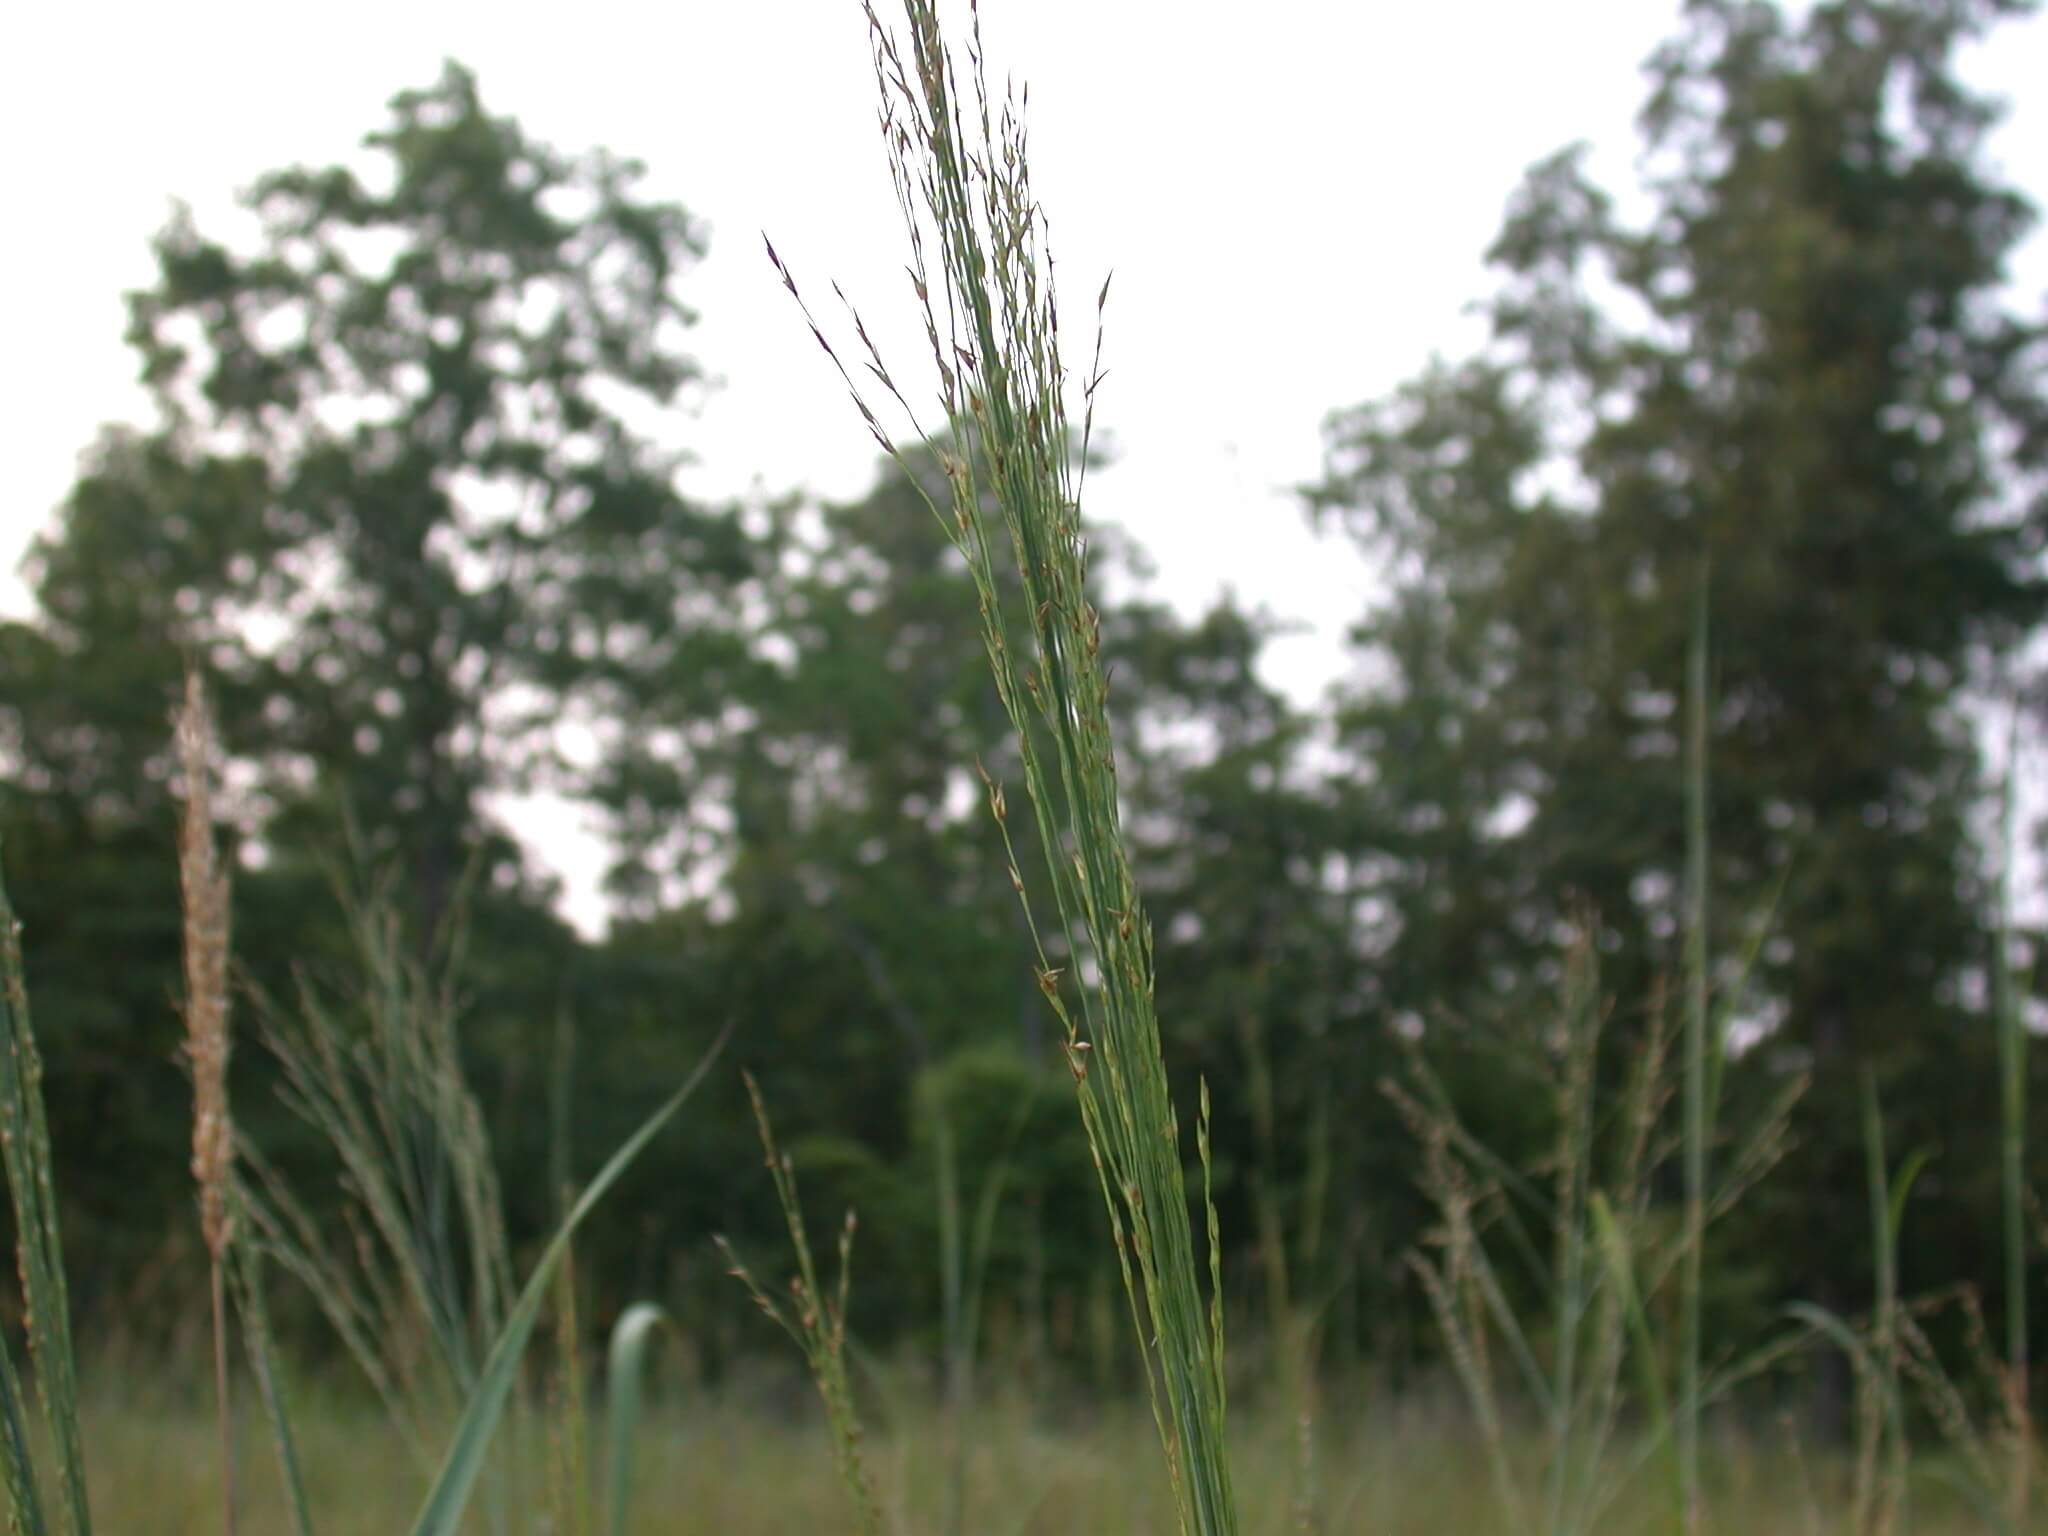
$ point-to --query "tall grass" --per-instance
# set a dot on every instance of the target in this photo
(1698, 1116)
(203, 885)
(816, 1319)
(737, 1464)
(1978, 1406)
(39, 1252)
(983, 279)
(1294, 1321)
(419, 1280)
(1590, 1245)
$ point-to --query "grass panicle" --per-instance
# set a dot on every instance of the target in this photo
(203, 886)
(980, 270)
(374, 1066)
(815, 1318)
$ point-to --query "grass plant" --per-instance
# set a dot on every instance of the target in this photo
(204, 888)
(39, 1252)
(816, 1319)
(736, 1461)
(979, 267)
(423, 1281)
(1590, 1247)
(1554, 1289)
(1293, 1321)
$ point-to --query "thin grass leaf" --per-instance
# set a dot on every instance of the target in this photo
(251, 1307)
(2012, 1099)
(17, 1466)
(625, 1385)
(25, 1149)
(1614, 1249)
(1696, 1086)
(816, 1319)
(441, 1514)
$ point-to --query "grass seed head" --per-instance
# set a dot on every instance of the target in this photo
(204, 886)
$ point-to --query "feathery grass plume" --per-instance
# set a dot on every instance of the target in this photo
(816, 1319)
(203, 887)
(39, 1252)
(979, 267)
(418, 1281)
(375, 1066)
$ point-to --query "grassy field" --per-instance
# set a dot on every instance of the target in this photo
(759, 1460)
(430, 1329)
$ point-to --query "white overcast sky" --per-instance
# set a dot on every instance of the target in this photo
(1294, 197)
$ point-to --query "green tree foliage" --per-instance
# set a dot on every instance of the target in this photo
(398, 499)
(400, 503)
(1792, 380)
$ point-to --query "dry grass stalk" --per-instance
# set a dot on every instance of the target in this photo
(204, 887)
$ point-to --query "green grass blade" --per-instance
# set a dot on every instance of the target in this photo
(17, 1467)
(1695, 1088)
(1622, 1275)
(2012, 1097)
(625, 1381)
(25, 1148)
(252, 1307)
(442, 1513)
(1902, 1186)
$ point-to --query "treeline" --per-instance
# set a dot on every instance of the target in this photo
(397, 511)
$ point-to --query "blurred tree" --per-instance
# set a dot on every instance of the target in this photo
(398, 501)
(1793, 381)
(402, 505)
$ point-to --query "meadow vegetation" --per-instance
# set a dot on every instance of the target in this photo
(1513, 1046)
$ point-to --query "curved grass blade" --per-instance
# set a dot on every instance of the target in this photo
(441, 1515)
(625, 1377)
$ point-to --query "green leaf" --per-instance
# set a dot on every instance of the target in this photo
(624, 1379)
(1902, 1185)
(441, 1515)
